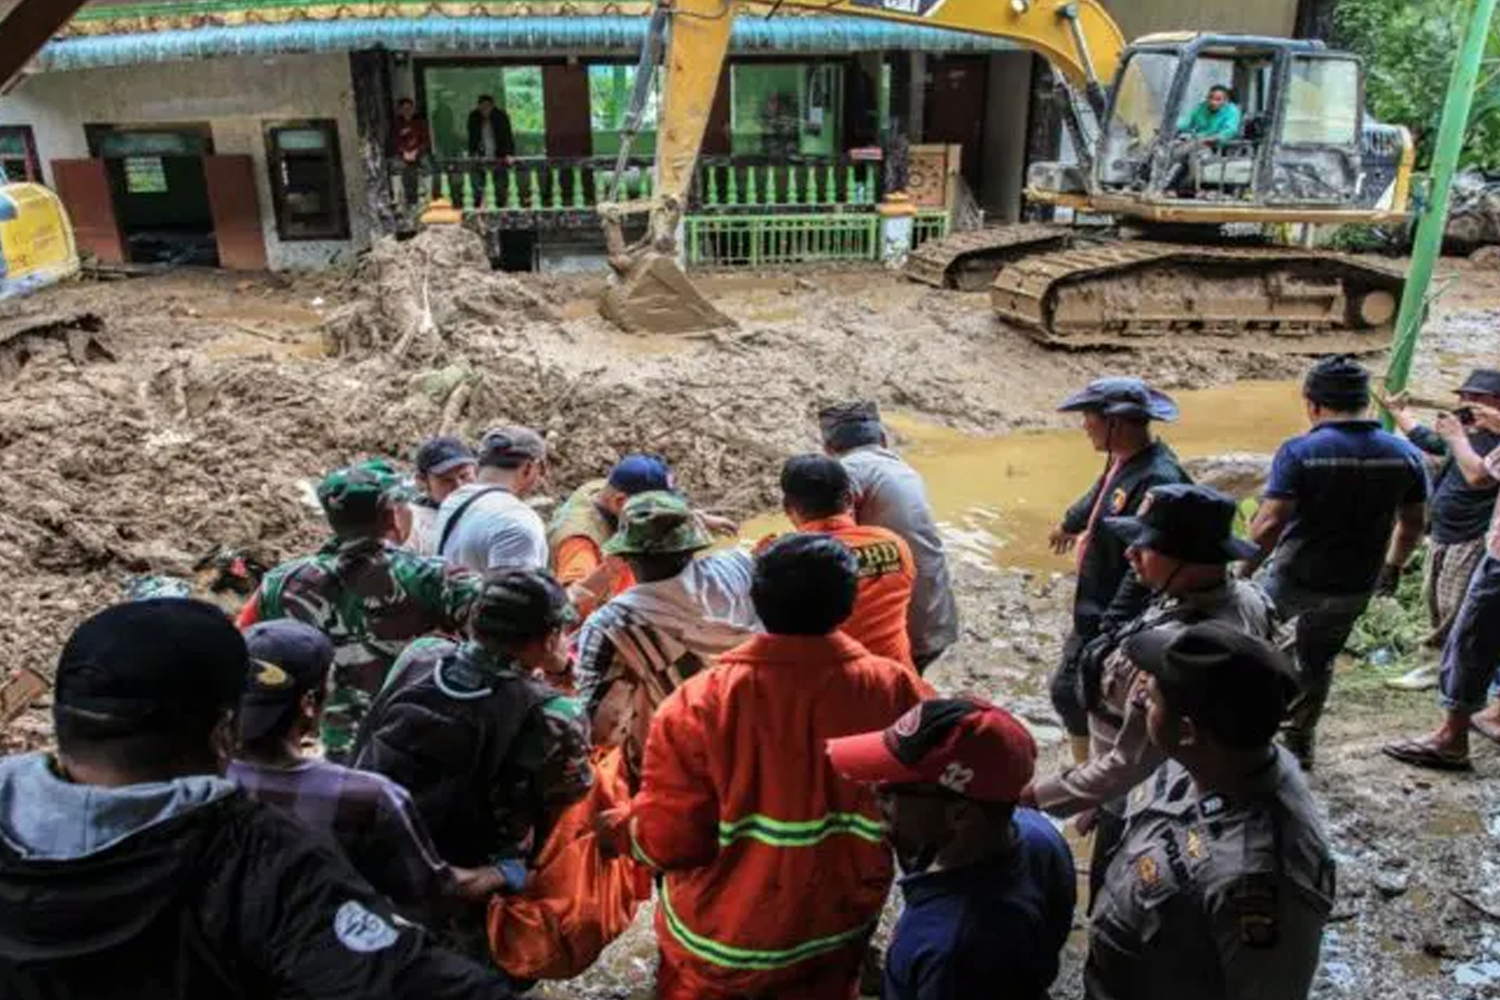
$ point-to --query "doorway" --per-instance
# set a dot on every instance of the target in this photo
(160, 190)
(954, 109)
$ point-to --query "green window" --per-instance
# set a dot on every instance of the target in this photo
(610, 89)
(782, 110)
(452, 92)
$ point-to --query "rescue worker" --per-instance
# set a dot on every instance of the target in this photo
(489, 752)
(370, 817)
(1472, 652)
(682, 612)
(773, 870)
(888, 493)
(368, 596)
(1459, 512)
(589, 518)
(444, 465)
(1180, 546)
(989, 888)
(1332, 499)
(1117, 415)
(1225, 878)
(487, 524)
(817, 496)
(130, 868)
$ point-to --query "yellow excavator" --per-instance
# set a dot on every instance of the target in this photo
(1196, 241)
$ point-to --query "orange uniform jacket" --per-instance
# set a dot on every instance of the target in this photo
(775, 867)
(887, 573)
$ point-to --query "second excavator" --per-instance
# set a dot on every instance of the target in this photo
(1194, 240)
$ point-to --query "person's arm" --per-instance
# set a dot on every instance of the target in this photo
(1190, 123)
(1267, 937)
(596, 656)
(445, 592)
(1470, 463)
(418, 875)
(564, 773)
(1130, 599)
(314, 928)
(1229, 125)
(250, 613)
(476, 134)
(505, 136)
(1132, 759)
(675, 817)
(1278, 507)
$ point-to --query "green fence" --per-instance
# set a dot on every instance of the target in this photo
(771, 240)
(744, 183)
(930, 224)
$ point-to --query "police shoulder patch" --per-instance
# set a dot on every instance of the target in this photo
(362, 930)
(1253, 901)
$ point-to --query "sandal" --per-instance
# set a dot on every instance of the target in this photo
(1485, 727)
(1421, 753)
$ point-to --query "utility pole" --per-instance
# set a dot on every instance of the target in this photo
(1433, 223)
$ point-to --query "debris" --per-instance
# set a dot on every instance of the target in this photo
(1391, 883)
(18, 691)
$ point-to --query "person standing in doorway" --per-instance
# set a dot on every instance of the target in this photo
(1332, 500)
(1463, 500)
(411, 144)
(890, 494)
(491, 140)
(1117, 416)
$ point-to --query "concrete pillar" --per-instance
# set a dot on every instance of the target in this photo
(1004, 151)
(917, 98)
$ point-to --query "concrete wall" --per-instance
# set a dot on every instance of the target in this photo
(1261, 17)
(237, 97)
(1005, 112)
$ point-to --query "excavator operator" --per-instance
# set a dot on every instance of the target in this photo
(1214, 122)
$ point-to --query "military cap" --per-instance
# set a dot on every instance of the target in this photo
(658, 523)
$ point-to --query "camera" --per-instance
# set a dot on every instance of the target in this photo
(1465, 415)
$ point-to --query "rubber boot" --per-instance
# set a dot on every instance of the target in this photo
(1080, 747)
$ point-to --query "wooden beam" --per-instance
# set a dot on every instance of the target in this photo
(28, 26)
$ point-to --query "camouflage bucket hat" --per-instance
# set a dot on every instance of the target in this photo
(149, 588)
(658, 523)
(345, 491)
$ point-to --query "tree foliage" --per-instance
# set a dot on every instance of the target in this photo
(1409, 47)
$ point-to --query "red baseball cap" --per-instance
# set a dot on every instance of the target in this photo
(965, 745)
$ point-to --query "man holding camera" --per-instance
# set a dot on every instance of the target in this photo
(1462, 503)
(1472, 650)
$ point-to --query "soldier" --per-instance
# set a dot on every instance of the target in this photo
(368, 596)
(1180, 547)
(1117, 417)
(1225, 879)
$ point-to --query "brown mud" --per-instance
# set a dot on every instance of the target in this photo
(226, 398)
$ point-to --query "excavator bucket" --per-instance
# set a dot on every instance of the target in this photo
(654, 296)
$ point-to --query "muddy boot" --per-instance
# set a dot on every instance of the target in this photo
(1080, 747)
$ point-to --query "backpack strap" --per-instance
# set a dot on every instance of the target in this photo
(458, 514)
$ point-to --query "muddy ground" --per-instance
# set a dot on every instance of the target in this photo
(228, 397)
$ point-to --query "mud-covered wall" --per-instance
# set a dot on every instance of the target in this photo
(1263, 17)
(237, 97)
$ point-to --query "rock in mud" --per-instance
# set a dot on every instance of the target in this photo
(1240, 474)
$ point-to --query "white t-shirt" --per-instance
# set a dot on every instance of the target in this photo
(497, 531)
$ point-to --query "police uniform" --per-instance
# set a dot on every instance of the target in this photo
(1214, 896)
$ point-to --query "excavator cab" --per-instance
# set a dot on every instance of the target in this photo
(1299, 142)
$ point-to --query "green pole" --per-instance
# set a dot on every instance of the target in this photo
(1430, 227)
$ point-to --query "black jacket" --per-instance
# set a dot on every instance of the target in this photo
(505, 139)
(226, 900)
(1107, 589)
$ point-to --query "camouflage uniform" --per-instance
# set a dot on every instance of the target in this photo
(370, 598)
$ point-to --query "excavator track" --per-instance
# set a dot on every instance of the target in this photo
(968, 261)
(1140, 294)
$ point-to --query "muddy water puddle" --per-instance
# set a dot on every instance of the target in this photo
(997, 498)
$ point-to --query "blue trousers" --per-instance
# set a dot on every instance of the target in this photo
(1472, 652)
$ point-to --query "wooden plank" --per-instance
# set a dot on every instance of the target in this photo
(19, 691)
(83, 186)
(233, 197)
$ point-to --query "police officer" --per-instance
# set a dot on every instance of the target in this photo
(1180, 548)
(1225, 879)
(1117, 416)
(368, 596)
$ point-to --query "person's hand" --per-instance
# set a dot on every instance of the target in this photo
(1086, 821)
(609, 829)
(724, 527)
(1399, 407)
(477, 885)
(1486, 417)
(599, 584)
(1449, 428)
(1388, 580)
(1061, 540)
(1028, 796)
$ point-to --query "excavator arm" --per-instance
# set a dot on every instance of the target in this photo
(1078, 37)
(24, 28)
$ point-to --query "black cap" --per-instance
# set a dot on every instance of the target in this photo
(517, 605)
(442, 454)
(138, 665)
(1233, 685)
(288, 658)
(1482, 382)
(850, 425)
(1338, 383)
(508, 447)
(1122, 396)
(1185, 521)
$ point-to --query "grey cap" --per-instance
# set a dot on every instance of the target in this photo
(508, 447)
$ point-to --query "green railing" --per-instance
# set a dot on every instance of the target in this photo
(752, 183)
(772, 240)
(929, 224)
(525, 192)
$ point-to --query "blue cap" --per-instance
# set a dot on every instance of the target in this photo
(641, 474)
(1122, 396)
